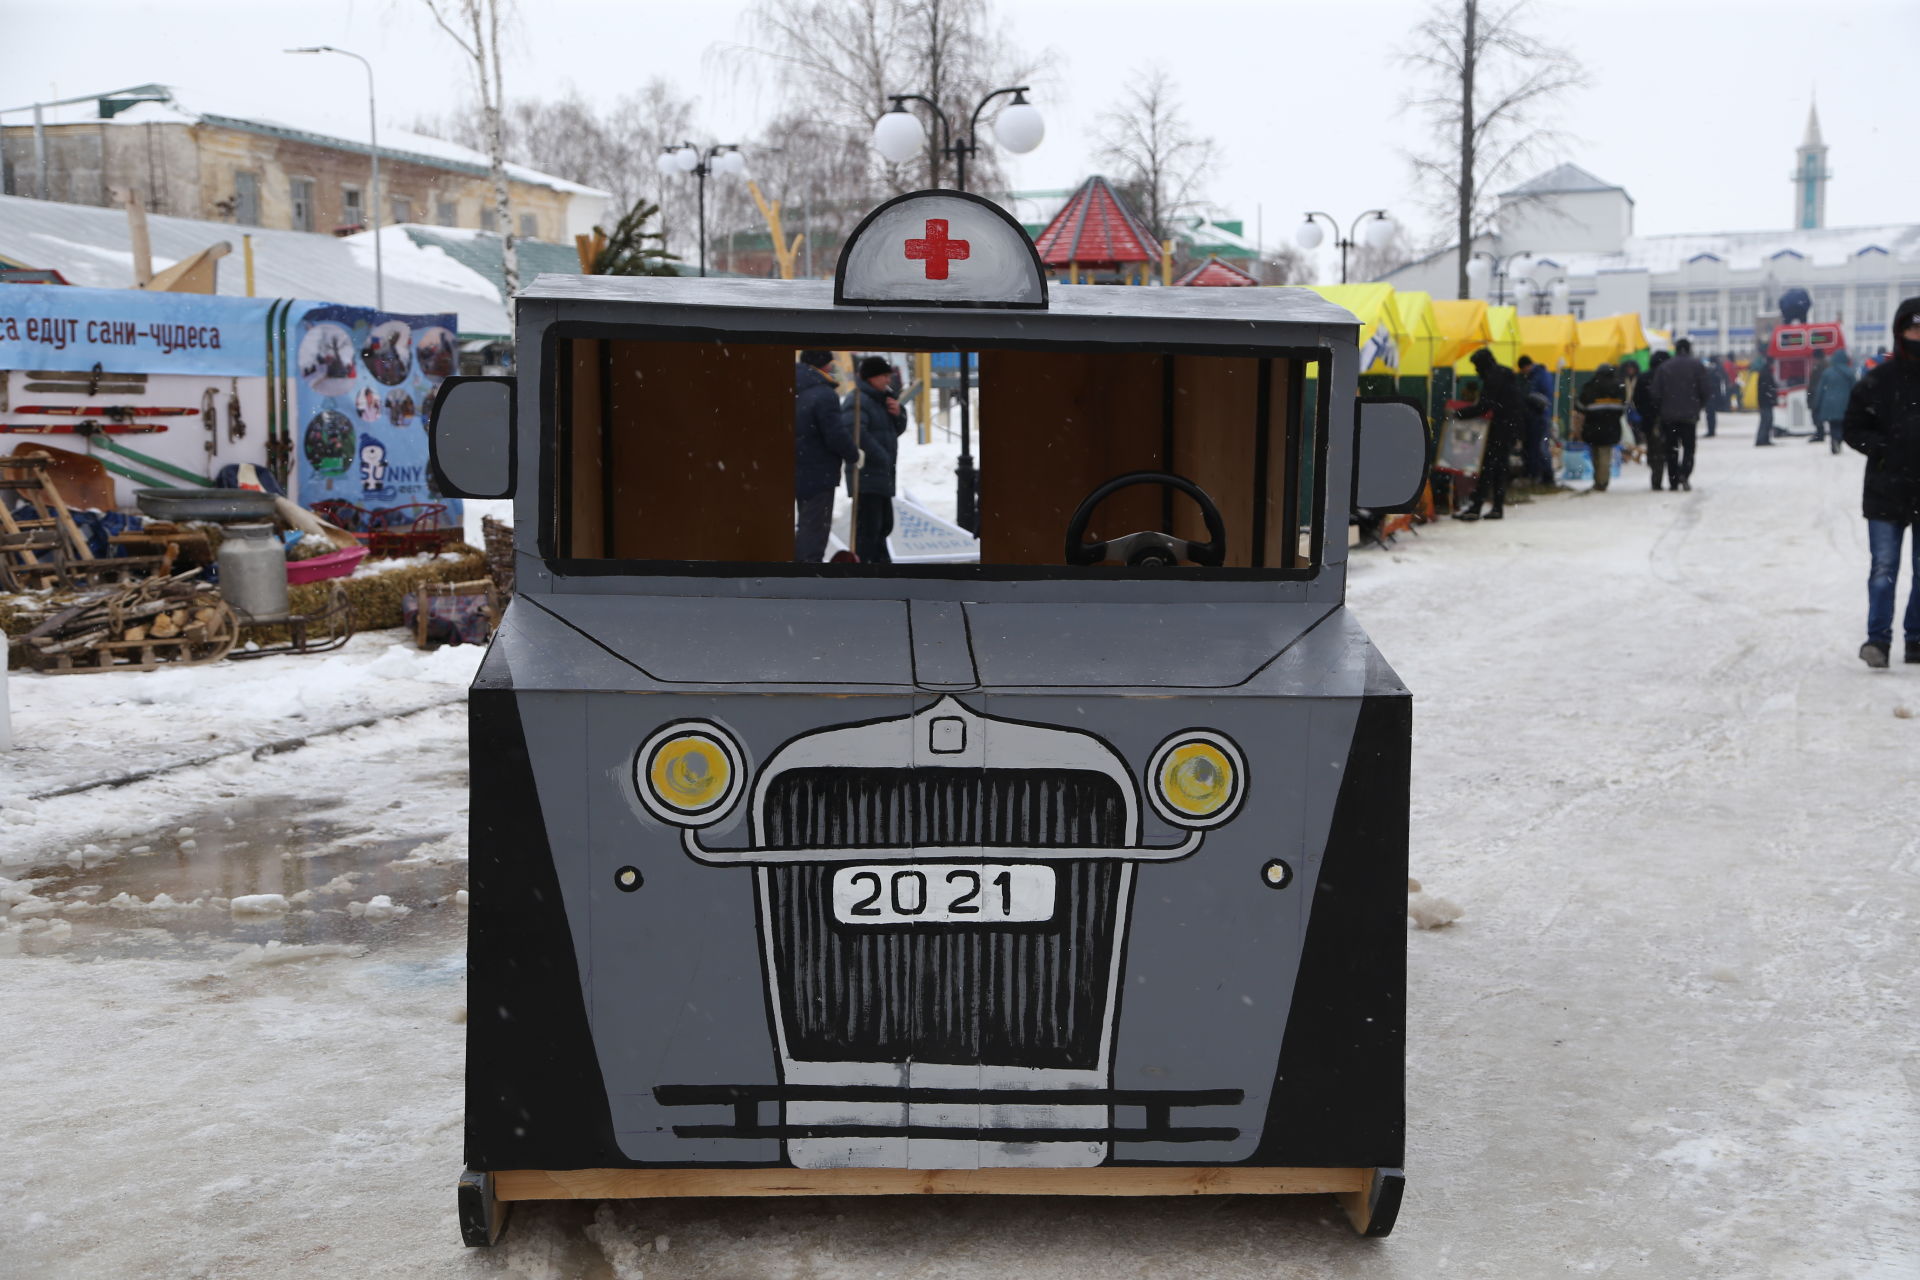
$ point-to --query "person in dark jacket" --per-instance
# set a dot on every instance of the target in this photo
(1682, 388)
(1646, 407)
(1503, 402)
(1717, 400)
(878, 425)
(1537, 383)
(820, 446)
(1602, 403)
(1829, 396)
(1883, 422)
(1766, 390)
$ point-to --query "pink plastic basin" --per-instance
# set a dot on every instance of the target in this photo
(335, 564)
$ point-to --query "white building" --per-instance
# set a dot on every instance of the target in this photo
(1565, 242)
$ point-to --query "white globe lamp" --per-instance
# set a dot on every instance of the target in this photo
(1308, 235)
(1379, 232)
(668, 162)
(687, 159)
(1559, 294)
(1478, 270)
(898, 137)
(731, 163)
(1020, 127)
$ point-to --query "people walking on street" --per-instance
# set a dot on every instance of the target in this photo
(1646, 407)
(1602, 402)
(881, 421)
(1883, 422)
(1828, 399)
(1503, 403)
(1536, 381)
(820, 446)
(1682, 389)
(1765, 391)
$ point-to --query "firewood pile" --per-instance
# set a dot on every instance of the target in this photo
(171, 621)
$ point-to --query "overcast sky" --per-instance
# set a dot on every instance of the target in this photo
(1695, 107)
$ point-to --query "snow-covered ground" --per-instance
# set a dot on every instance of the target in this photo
(1673, 1033)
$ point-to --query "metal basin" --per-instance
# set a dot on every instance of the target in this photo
(204, 504)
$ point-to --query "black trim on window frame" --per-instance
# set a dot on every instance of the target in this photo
(553, 335)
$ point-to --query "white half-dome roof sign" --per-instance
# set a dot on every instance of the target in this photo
(939, 249)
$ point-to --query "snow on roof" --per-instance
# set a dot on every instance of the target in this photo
(397, 144)
(1747, 250)
(91, 247)
(1561, 180)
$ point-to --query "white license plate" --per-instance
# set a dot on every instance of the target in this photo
(942, 893)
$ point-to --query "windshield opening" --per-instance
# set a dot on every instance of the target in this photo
(757, 457)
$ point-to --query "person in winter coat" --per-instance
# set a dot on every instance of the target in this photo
(820, 446)
(1883, 422)
(1683, 389)
(1602, 403)
(1503, 402)
(1829, 399)
(880, 423)
(1646, 407)
(1537, 382)
(1766, 389)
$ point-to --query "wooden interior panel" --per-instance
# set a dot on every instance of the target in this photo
(1054, 425)
(1215, 405)
(584, 405)
(701, 451)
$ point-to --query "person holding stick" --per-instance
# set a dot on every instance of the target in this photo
(875, 420)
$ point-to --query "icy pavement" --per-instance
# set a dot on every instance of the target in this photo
(1672, 1035)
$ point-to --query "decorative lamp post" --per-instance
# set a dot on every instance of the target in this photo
(1485, 266)
(723, 158)
(373, 154)
(1549, 287)
(1378, 234)
(899, 136)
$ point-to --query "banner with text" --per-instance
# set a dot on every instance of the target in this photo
(366, 385)
(53, 327)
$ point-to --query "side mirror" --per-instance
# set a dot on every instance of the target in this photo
(1391, 453)
(471, 443)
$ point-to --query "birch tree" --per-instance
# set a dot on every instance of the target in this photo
(474, 26)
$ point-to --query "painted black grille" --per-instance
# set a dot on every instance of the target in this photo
(1025, 995)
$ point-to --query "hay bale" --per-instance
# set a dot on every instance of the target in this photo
(376, 596)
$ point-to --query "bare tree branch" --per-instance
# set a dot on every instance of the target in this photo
(1154, 153)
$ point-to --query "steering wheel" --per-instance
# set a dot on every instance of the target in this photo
(1147, 547)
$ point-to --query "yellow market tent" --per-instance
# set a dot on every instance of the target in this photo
(1503, 339)
(1549, 340)
(1463, 328)
(1607, 340)
(1381, 334)
(1423, 339)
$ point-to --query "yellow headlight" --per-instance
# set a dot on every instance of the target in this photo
(1197, 779)
(689, 774)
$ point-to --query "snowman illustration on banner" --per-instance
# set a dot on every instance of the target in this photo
(373, 466)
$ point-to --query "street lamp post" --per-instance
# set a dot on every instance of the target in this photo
(373, 154)
(1379, 234)
(721, 157)
(1485, 266)
(899, 137)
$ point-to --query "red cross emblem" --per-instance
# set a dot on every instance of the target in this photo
(936, 250)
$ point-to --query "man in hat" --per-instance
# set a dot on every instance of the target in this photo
(820, 445)
(1883, 422)
(880, 422)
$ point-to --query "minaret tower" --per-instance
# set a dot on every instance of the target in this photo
(1810, 176)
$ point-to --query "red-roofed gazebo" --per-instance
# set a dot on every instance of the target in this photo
(1096, 231)
(1215, 272)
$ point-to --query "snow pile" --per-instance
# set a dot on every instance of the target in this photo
(1430, 912)
(259, 904)
(378, 909)
(279, 953)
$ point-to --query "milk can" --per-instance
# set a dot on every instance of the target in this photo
(253, 572)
